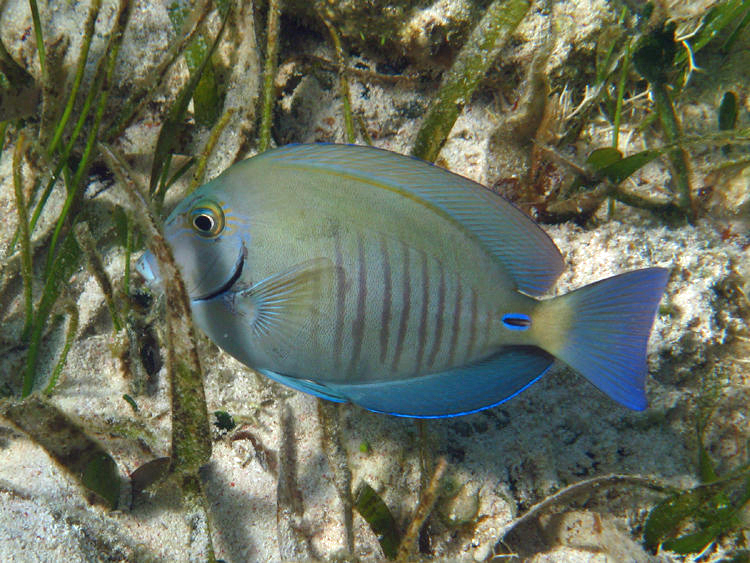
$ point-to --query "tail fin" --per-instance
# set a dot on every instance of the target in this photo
(610, 322)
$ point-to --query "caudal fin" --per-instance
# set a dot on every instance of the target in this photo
(610, 322)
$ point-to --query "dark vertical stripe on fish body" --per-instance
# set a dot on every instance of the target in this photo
(438, 336)
(472, 325)
(422, 331)
(340, 301)
(358, 326)
(385, 319)
(487, 331)
(405, 307)
(456, 326)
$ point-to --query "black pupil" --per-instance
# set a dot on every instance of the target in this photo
(203, 223)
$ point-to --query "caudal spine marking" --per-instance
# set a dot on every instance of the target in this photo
(456, 325)
(422, 331)
(438, 336)
(385, 319)
(405, 306)
(516, 321)
(358, 326)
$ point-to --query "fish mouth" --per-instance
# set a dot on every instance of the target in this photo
(232, 279)
(148, 267)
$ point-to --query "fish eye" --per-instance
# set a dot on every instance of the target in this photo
(207, 219)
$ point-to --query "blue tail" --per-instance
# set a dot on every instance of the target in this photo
(610, 322)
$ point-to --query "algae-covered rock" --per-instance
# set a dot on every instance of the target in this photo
(419, 30)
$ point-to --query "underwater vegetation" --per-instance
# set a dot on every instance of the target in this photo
(615, 117)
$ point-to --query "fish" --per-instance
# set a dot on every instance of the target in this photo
(360, 275)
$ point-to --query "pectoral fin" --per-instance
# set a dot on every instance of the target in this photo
(278, 307)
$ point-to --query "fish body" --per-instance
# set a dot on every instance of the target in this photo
(357, 274)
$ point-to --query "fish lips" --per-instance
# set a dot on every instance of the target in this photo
(148, 267)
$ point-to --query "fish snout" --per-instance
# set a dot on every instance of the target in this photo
(148, 267)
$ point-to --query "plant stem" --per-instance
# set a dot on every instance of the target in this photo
(621, 94)
(487, 39)
(269, 73)
(82, 58)
(618, 111)
(68, 443)
(38, 35)
(174, 124)
(191, 435)
(197, 516)
(587, 485)
(3, 128)
(128, 252)
(62, 268)
(86, 242)
(677, 156)
(328, 414)
(343, 81)
(70, 335)
(109, 59)
(216, 132)
(63, 160)
(426, 502)
(634, 200)
(23, 222)
(146, 90)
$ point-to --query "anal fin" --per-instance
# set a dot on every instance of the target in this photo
(459, 391)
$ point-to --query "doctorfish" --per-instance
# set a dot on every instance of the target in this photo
(357, 274)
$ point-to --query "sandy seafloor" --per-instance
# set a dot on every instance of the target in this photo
(558, 432)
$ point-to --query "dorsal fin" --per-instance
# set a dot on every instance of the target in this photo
(519, 244)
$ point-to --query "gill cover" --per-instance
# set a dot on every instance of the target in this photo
(207, 242)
